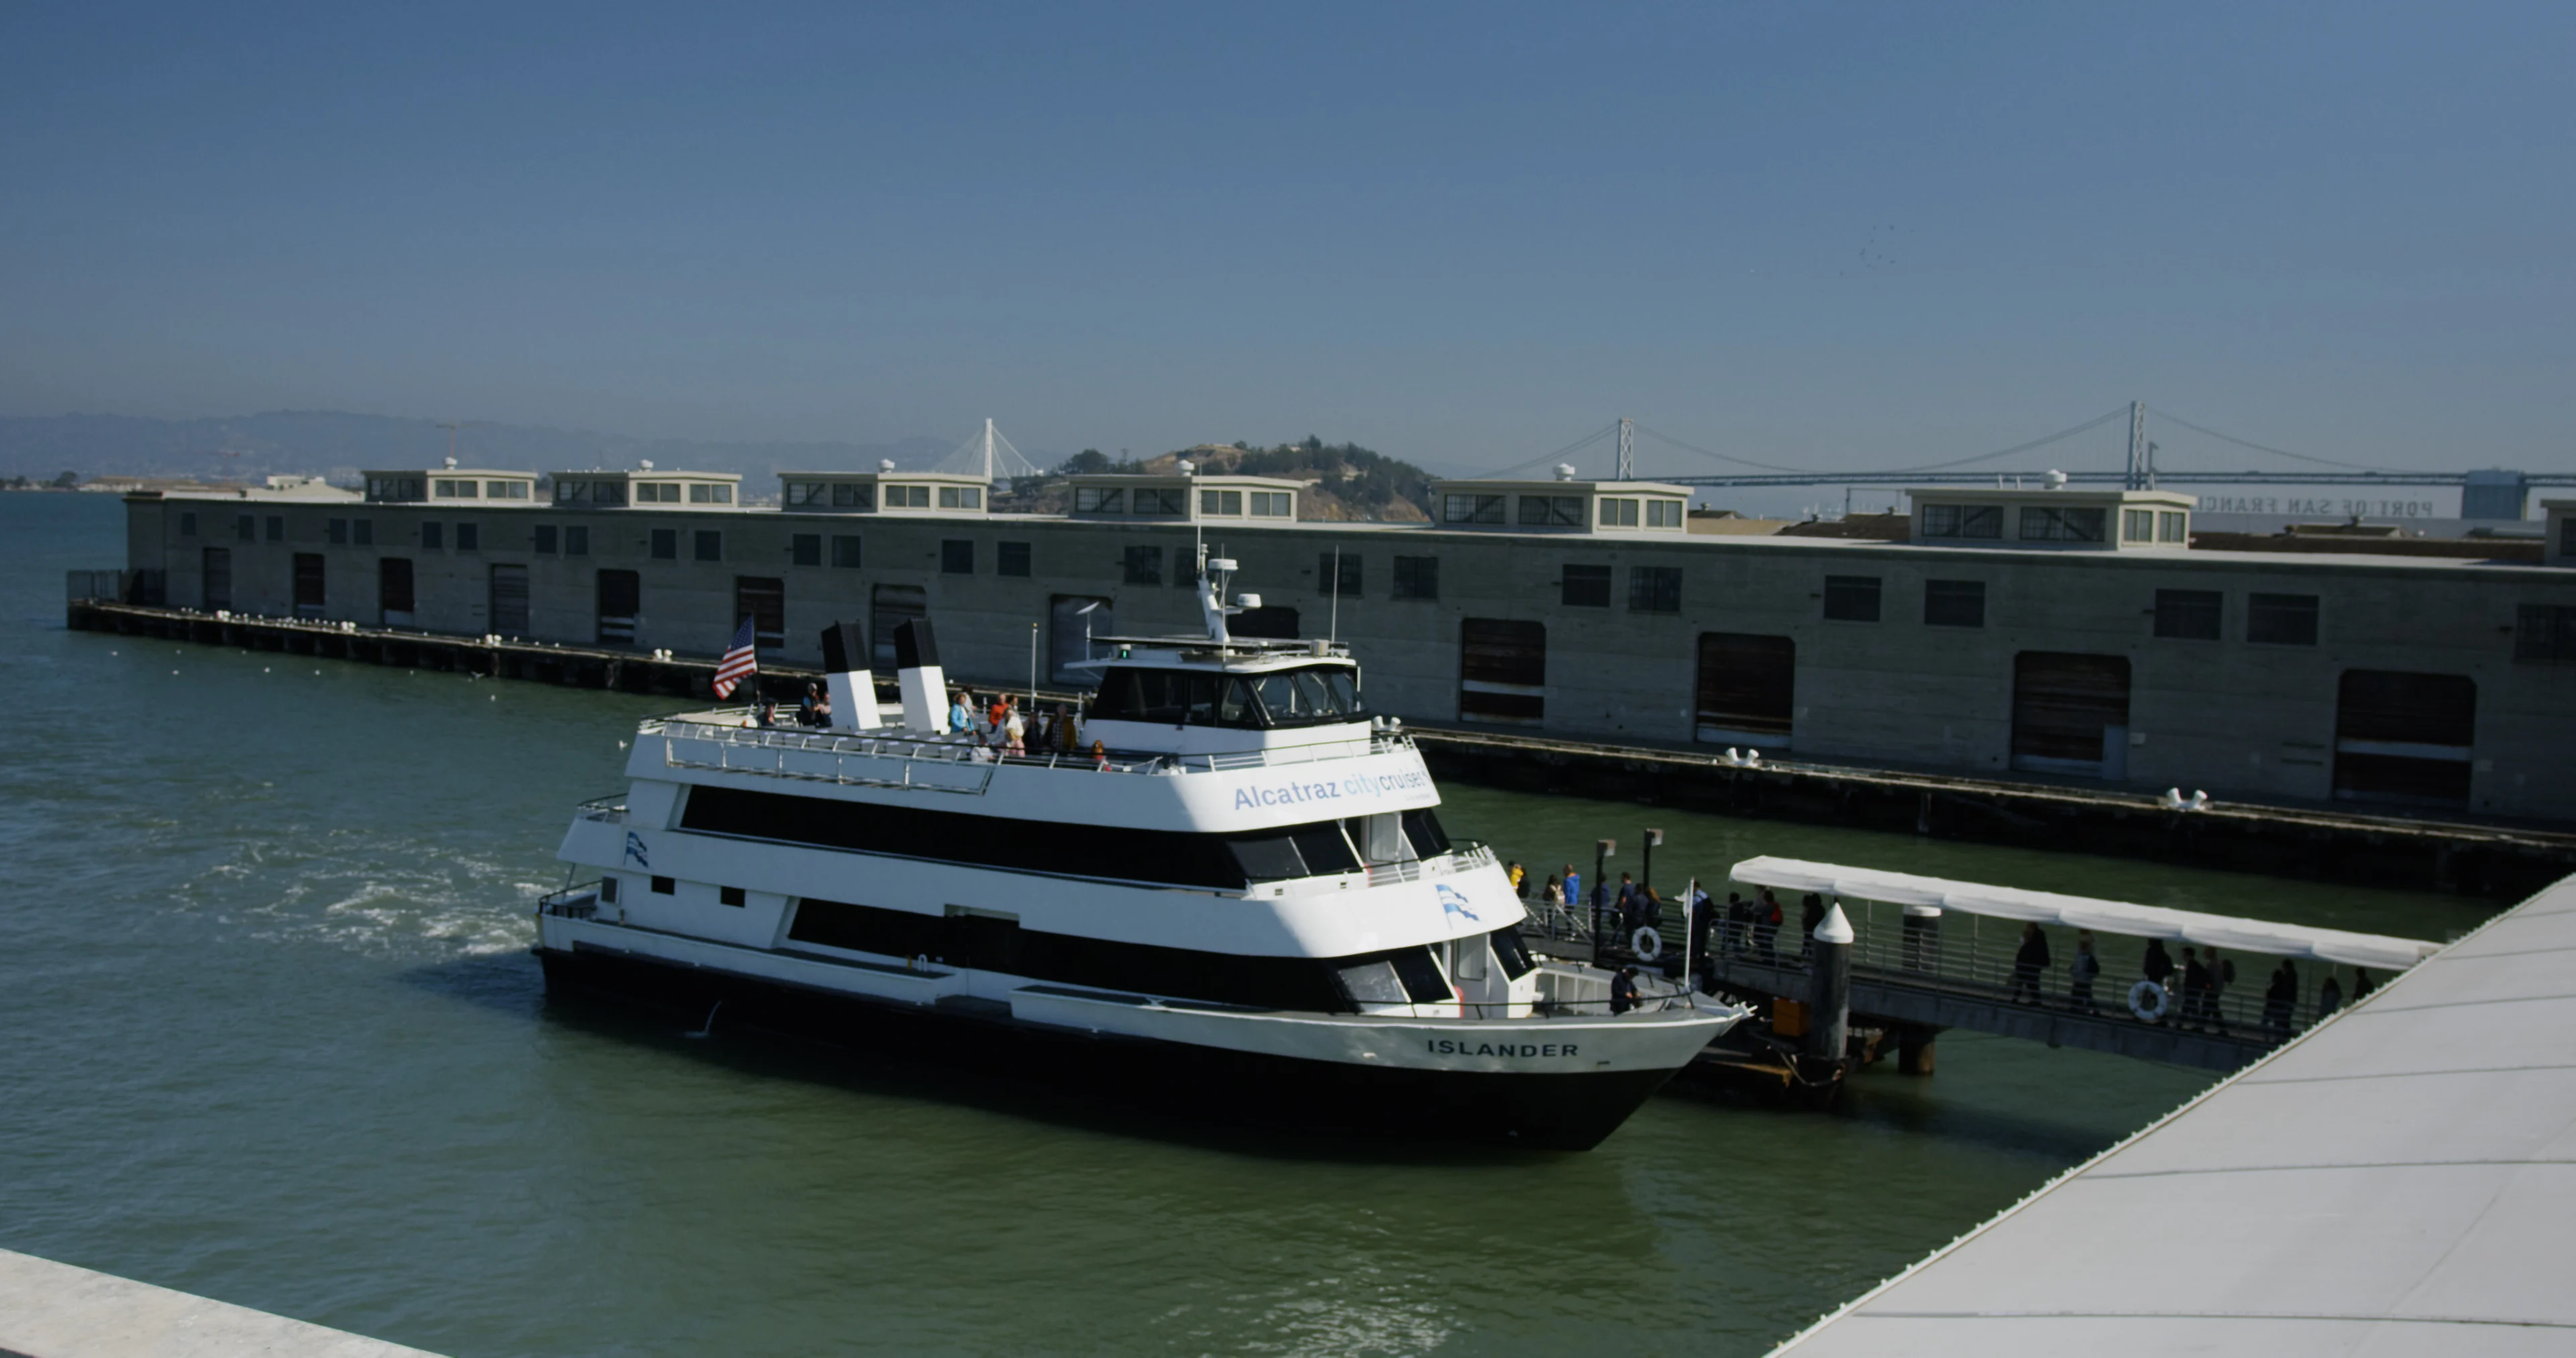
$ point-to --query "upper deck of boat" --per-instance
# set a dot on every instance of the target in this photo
(731, 739)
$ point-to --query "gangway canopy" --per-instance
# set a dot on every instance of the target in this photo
(2265, 937)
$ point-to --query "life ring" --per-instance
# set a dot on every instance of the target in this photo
(1646, 943)
(2145, 991)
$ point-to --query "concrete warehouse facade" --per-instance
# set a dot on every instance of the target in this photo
(2435, 682)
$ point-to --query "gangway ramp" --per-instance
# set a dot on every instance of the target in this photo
(1932, 954)
(2399, 1180)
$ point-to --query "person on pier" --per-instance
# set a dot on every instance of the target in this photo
(2028, 962)
(2081, 973)
(2280, 998)
(2329, 996)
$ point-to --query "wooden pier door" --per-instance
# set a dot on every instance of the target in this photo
(1502, 671)
(216, 578)
(2071, 714)
(1748, 689)
(621, 600)
(2404, 737)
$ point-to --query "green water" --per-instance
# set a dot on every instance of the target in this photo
(274, 1037)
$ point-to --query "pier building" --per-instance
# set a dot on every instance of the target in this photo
(2077, 640)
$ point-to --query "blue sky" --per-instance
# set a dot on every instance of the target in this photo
(1813, 235)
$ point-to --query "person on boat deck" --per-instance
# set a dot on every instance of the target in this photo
(959, 715)
(2222, 974)
(821, 712)
(1554, 894)
(1063, 732)
(1515, 871)
(995, 711)
(2081, 972)
(2028, 961)
(1623, 990)
(1015, 733)
(1573, 888)
(2280, 998)
(2362, 984)
(766, 714)
(806, 706)
(1100, 755)
(1766, 925)
(1739, 920)
(1811, 916)
(2329, 996)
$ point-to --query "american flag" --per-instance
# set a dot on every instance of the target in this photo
(739, 663)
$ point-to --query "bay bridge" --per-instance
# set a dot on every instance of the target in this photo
(2489, 493)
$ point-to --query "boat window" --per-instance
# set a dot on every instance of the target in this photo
(1423, 828)
(1199, 698)
(1315, 694)
(1238, 709)
(1370, 981)
(1422, 978)
(1325, 849)
(1268, 855)
(1513, 953)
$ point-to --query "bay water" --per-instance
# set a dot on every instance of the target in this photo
(273, 1035)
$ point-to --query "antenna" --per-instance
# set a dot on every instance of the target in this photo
(1333, 627)
(451, 426)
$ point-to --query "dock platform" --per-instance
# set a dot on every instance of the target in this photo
(53, 1310)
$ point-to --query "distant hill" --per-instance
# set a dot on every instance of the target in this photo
(336, 443)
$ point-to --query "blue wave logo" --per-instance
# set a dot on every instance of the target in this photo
(1454, 902)
(635, 850)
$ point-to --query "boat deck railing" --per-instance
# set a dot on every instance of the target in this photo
(729, 741)
(1463, 856)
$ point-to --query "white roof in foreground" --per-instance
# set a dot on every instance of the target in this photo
(2084, 912)
(2399, 1180)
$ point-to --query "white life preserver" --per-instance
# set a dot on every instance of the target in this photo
(2145, 991)
(1646, 943)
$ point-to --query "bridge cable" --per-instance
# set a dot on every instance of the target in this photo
(2167, 415)
(1595, 436)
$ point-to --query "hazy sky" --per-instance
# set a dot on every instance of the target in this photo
(1807, 234)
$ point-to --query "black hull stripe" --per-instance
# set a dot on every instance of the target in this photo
(1540, 1110)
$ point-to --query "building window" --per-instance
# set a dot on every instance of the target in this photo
(577, 540)
(805, 549)
(710, 545)
(1157, 502)
(652, 493)
(1851, 598)
(336, 532)
(187, 525)
(1227, 503)
(1654, 589)
(2188, 614)
(850, 496)
(246, 528)
(2169, 527)
(1417, 577)
(664, 886)
(957, 556)
(666, 544)
(907, 497)
(505, 490)
(703, 494)
(608, 890)
(276, 528)
(365, 530)
(1663, 513)
(1471, 509)
(1273, 504)
(1144, 565)
(2543, 632)
(1586, 586)
(2051, 523)
(1010, 558)
(1954, 603)
(568, 492)
(2567, 536)
(446, 489)
(2137, 525)
(1963, 521)
(845, 551)
(1552, 511)
(763, 599)
(433, 536)
(2281, 619)
(728, 895)
(469, 538)
(1618, 513)
(960, 497)
(1340, 572)
(545, 539)
(801, 494)
(1099, 500)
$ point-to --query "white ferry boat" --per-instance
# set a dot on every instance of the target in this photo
(1241, 900)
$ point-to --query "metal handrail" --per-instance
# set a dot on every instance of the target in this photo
(730, 726)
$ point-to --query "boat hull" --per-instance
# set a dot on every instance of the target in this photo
(1264, 1090)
